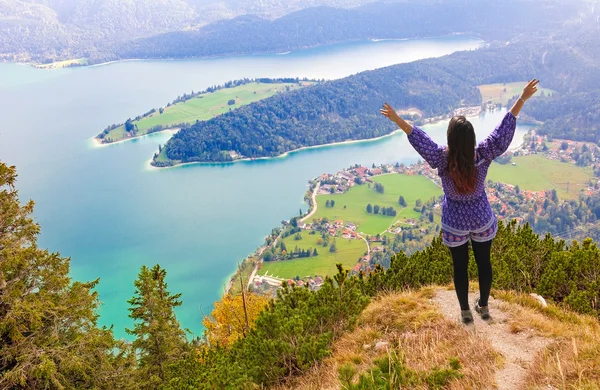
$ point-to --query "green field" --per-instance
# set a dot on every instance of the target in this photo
(537, 173)
(348, 253)
(63, 64)
(357, 198)
(205, 106)
(495, 92)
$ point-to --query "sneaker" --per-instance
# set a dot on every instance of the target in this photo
(484, 311)
(466, 317)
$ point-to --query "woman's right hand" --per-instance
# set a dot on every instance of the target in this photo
(530, 89)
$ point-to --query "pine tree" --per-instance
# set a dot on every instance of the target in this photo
(48, 324)
(159, 338)
(402, 201)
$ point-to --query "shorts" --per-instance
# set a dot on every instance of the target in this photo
(452, 239)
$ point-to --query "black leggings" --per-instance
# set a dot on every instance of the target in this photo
(460, 259)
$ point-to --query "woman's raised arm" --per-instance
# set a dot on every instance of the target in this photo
(433, 153)
(392, 115)
(529, 90)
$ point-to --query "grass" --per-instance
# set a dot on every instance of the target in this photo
(63, 64)
(537, 173)
(417, 333)
(205, 106)
(425, 341)
(572, 360)
(348, 252)
(495, 92)
(356, 199)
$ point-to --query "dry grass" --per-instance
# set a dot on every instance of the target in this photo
(572, 361)
(414, 329)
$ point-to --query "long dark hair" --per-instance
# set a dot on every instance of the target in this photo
(461, 154)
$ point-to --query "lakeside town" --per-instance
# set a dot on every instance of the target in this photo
(510, 202)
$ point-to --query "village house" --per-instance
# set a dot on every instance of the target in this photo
(375, 171)
(395, 230)
(361, 171)
(347, 175)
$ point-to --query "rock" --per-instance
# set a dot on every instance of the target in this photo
(381, 346)
(540, 299)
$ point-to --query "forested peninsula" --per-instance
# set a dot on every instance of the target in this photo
(347, 109)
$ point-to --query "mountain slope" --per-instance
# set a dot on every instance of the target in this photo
(413, 339)
(323, 25)
(58, 29)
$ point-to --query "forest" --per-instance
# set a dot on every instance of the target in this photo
(572, 116)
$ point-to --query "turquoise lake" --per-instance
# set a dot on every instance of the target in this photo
(110, 213)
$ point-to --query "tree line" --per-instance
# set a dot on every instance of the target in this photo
(390, 211)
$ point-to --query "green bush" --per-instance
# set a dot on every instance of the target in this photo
(391, 372)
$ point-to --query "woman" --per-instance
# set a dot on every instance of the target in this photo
(466, 211)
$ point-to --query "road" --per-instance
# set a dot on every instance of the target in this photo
(314, 203)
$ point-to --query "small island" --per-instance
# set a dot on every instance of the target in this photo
(199, 106)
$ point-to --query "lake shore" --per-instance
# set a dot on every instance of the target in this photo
(97, 144)
(284, 155)
(244, 54)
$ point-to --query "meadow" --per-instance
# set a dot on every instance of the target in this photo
(63, 64)
(205, 106)
(501, 93)
(355, 200)
(348, 253)
(537, 173)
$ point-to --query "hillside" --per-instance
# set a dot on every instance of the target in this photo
(325, 25)
(105, 30)
(414, 340)
(59, 29)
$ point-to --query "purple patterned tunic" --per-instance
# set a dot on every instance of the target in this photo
(470, 215)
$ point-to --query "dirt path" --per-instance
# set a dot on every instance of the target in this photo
(314, 203)
(518, 349)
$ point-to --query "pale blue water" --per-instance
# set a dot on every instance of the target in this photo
(106, 210)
